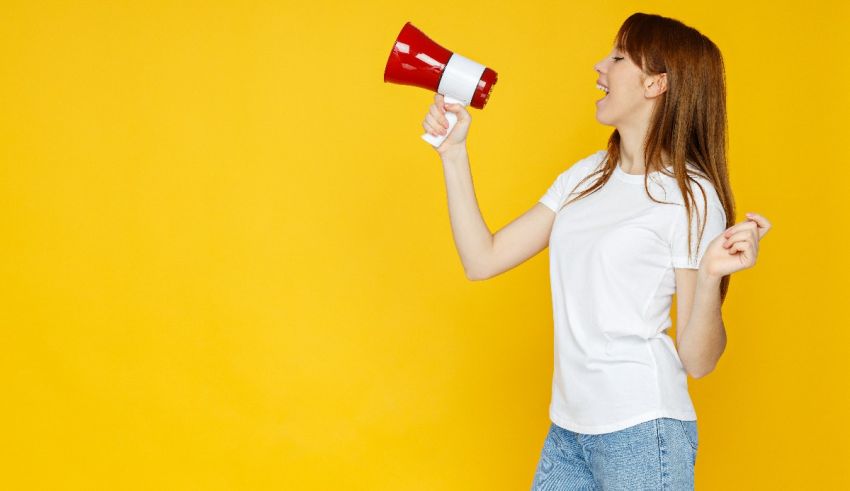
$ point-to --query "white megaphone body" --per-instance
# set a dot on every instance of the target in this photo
(417, 60)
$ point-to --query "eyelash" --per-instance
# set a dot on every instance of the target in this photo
(616, 58)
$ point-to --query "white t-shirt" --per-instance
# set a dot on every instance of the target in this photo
(612, 255)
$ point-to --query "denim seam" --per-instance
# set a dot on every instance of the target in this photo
(560, 445)
(586, 455)
(687, 435)
(660, 451)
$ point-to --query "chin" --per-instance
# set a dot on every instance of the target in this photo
(603, 121)
(604, 116)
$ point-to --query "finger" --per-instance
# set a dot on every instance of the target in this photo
(439, 116)
(746, 224)
(740, 235)
(459, 110)
(740, 246)
(744, 247)
(762, 222)
(439, 100)
(429, 129)
(434, 125)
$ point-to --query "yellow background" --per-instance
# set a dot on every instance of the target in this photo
(227, 261)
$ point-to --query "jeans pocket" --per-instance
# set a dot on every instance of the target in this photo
(689, 428)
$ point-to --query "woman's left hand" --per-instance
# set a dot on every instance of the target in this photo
(735, 249)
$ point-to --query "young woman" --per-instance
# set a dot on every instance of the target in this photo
(627, 228)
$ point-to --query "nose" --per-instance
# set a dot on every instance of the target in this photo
(598, 67)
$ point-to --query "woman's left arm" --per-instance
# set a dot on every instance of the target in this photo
(700, 333)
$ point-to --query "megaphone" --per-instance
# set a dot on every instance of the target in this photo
(418, 61)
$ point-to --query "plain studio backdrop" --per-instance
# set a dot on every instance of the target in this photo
(227, 261)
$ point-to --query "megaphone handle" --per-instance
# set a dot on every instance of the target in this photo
(436, 141)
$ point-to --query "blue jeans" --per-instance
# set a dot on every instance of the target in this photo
(656, 454)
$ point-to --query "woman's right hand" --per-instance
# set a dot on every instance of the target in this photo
(436, 123)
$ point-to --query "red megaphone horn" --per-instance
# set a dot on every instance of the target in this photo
(417, 60)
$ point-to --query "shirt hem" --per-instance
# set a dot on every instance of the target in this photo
(568, 424)
(549, 204)
(684, 262)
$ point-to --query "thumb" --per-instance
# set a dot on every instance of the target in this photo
(457, 109)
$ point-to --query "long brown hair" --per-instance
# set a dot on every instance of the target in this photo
(689, 120)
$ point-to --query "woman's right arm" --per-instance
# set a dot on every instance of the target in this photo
(483, 254)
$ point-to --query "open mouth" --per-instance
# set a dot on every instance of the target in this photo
(603, 89)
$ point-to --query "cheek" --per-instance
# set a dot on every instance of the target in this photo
(627, 88)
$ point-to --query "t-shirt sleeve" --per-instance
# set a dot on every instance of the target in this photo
(715, 224)
(552, 197)
(564, 183)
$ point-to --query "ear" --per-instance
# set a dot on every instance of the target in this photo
(656, 85)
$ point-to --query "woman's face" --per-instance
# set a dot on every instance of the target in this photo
(630, 96)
